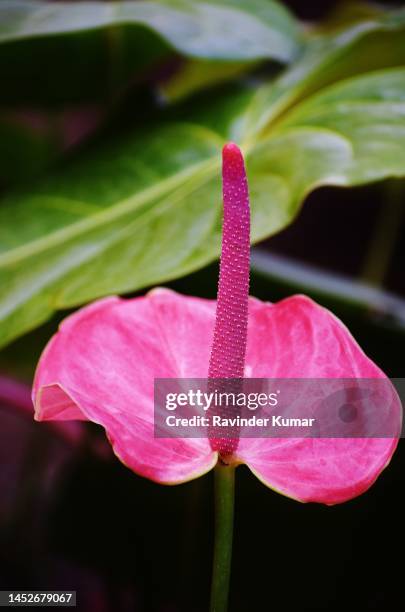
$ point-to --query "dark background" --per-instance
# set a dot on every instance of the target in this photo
(125, 543)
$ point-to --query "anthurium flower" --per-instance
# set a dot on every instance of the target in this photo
(101, 365)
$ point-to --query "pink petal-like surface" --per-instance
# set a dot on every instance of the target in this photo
(297, 338)
(101, 365)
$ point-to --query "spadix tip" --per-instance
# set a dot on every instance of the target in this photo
(233, 165)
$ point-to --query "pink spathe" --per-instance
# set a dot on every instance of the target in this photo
(102, 363)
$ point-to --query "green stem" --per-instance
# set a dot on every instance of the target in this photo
(224, 510)
(386, 233)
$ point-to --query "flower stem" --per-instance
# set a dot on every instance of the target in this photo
(224, 510)
(387, 230)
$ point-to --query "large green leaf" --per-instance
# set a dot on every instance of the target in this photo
(365, 46)
(148, 208)
(223, 29)
(90, 48)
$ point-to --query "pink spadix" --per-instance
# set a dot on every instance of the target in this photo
(228, 351)
(230, 333)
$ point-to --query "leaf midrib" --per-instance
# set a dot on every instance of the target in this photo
(108, 215)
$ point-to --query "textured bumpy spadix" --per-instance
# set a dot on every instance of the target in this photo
(101, 365)
(230, 333)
